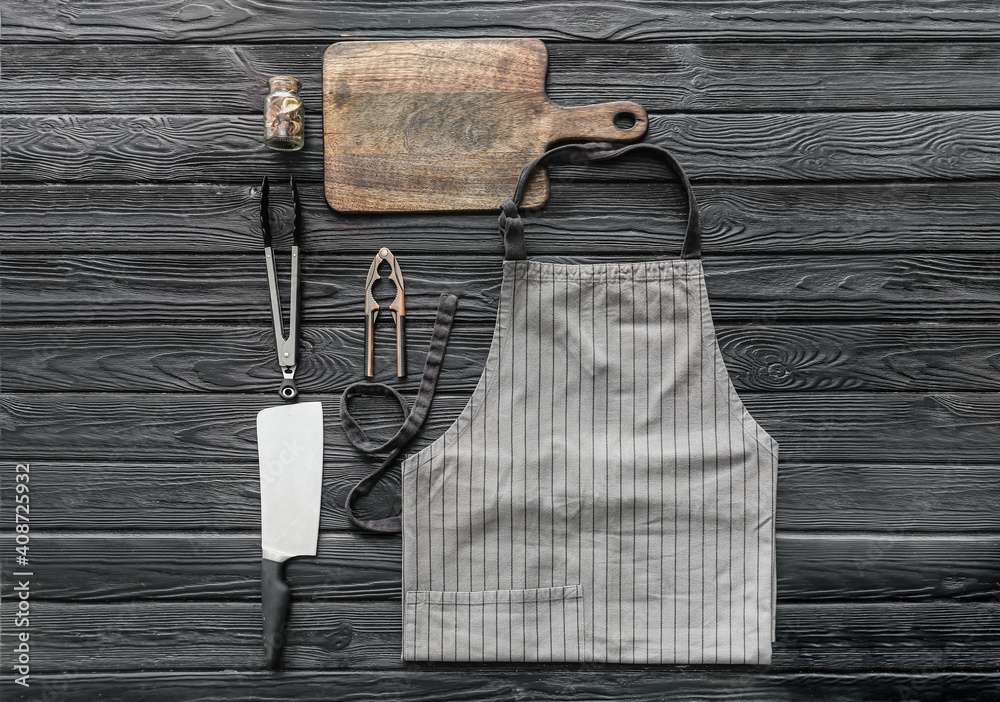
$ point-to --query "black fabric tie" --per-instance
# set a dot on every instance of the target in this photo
(512, 227)
(414, 419)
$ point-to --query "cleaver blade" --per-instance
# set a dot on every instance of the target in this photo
(290, 449)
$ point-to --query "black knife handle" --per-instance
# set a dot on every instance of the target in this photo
(274, 597)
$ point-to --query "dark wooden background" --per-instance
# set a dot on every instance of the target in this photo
(847, 160)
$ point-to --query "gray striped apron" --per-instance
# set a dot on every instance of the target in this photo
(604, 496)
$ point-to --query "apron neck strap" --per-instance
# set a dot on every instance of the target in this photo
(512, 227)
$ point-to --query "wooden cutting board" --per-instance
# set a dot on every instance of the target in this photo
(446, 124)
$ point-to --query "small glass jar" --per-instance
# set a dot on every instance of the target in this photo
(283, 118)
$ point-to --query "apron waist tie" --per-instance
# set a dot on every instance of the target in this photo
(414, 419)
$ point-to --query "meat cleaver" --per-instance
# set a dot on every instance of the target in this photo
(290, 448)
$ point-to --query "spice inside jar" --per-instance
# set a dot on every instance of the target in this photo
(283, 114)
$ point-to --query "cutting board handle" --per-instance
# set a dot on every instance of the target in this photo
(597, 122)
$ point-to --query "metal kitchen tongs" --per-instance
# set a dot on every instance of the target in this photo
(286, 346)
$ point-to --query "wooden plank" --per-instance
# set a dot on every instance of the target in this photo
(215, 289)
(155, 636)
(861, 357)
(580, 217)
(782, 76)
(222, 497)
(752, 146)
(109, 288)
(925, 357)
(552, 683)
(223, 359)
(857, 427)
(206, 565)
(635, 218)
(187, 566)
(725, 77)
(625, 20)
(892, 566)
(893, 498)
(810, 427)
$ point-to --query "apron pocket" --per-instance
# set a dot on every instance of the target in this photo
(540, 624)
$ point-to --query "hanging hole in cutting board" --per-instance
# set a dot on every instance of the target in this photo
(625, 120)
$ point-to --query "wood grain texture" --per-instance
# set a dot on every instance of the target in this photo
(217, 289)
(778, 76)
(187, 566)
(868, 357)
(625, 20)
(810, 427)
(168, 358)
(846, 161)
(447, 124)
(140, 497)
(329, 636)
(768, 146)
(708, 77)
(826, 497)
(638, 218)
(892, 498)
(223, 359)
(431, 684)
